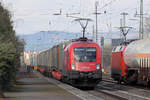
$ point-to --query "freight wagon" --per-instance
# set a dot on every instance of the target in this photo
(131, 62)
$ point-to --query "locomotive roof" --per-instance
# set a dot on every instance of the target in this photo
(82, 40)
(127, 42)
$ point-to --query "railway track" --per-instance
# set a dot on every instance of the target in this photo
(137, 86)
(109, 90)
(122, 91)
(107, 78)
(105, 95)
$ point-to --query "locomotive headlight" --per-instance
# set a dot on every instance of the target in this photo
(98, 66)
(72, 66)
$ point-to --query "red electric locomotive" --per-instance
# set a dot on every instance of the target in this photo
(81, 63)
(77, 62)
(118, 67)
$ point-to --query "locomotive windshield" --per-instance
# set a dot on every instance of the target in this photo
(85, 54)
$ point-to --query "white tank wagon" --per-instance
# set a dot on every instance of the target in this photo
(137, 61)
(137, 54)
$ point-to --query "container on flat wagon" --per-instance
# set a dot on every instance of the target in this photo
(61, 47)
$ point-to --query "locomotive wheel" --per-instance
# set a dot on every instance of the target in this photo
(119, 81)
(64, 79)
(50, 74)
(148, 82)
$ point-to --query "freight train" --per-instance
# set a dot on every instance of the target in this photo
(77, 62)
(131, 62)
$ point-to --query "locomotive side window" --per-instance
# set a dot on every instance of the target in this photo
(85, 54)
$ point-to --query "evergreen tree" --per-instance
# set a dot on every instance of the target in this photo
(10, 49)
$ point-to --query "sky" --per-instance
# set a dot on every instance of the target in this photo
(31, 16)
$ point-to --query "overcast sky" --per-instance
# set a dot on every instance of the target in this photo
(31, 16)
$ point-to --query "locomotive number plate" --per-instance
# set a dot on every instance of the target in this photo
(85, 67)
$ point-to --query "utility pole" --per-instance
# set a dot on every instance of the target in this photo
(141, 25)
(49, 26)
(93, 32)
(123, 28)
(124, 18)
(121, 36)
(141, 28)
(96, 4)
(123, 24)
(96, 23)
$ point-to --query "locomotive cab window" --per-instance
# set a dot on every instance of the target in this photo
(85, 54)
(114, 49)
